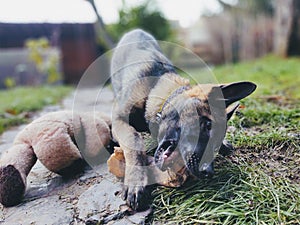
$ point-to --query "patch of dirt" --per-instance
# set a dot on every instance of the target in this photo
(280, 162)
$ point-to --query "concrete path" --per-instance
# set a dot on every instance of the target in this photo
(89, 198)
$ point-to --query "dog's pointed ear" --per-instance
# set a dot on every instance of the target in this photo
(236, 91)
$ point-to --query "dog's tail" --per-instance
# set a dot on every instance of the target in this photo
(15, 164)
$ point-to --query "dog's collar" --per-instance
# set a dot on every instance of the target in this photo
(177, 91)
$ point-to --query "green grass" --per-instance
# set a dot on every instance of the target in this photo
(238, 194)
(273, 76)
(259, 182)
(16, 103)
(261, 125)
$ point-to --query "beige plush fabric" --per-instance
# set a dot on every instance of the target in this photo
(58, 140)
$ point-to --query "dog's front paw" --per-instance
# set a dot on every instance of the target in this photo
(135, 193)
(136, 197)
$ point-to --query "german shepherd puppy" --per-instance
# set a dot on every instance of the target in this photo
(189, 122)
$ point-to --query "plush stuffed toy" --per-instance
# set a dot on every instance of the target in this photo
(54, 139)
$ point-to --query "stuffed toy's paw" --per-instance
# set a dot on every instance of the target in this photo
(11, 182)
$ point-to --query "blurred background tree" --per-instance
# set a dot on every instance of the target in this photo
(145, 16)
(287, 28)
(104, 38)
(286, 16)
(45, 59)
(242, 30)
(252, 6)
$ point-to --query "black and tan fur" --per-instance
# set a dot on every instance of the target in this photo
(189, 122)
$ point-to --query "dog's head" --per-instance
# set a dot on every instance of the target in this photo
(193, 125)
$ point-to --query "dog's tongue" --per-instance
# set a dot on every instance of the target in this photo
(167, 153)
(167, 156)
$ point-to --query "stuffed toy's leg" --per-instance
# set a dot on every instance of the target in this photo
(15, 165)
(56, 149)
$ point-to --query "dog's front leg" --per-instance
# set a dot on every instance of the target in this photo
(136, 177)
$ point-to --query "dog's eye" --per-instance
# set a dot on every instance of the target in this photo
(208, 125)
(158, 117)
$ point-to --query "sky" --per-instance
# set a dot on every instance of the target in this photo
(185, 11)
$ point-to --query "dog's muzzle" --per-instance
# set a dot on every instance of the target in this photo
(206, 170)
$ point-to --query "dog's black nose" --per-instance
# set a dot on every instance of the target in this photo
(208, 171)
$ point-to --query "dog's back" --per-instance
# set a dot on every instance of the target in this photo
(137, 55)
